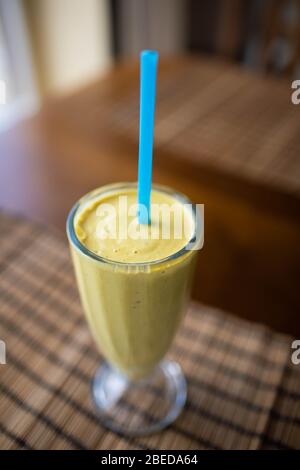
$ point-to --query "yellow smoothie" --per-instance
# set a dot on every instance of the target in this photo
(133, 280)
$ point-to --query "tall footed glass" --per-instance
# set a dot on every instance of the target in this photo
(134, 310)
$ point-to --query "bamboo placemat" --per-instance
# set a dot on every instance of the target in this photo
(243, 392)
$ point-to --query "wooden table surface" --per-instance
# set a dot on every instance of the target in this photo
(224, 137)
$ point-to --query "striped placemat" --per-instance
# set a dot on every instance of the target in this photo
(243, 392)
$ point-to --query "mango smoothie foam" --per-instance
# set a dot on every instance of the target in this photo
(133, 289)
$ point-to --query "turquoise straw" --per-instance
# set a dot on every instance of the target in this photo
(148, 71)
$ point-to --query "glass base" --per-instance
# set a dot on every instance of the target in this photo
(142, 407)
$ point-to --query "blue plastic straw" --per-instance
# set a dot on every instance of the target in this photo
(148, 67)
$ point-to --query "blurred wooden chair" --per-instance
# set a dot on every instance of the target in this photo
(281, 38)
(263, 34)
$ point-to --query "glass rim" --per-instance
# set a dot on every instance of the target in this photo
(110, 188)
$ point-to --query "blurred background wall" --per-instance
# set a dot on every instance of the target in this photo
(53, 46)
(50, 47)
(149, 24)
(70, 41)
